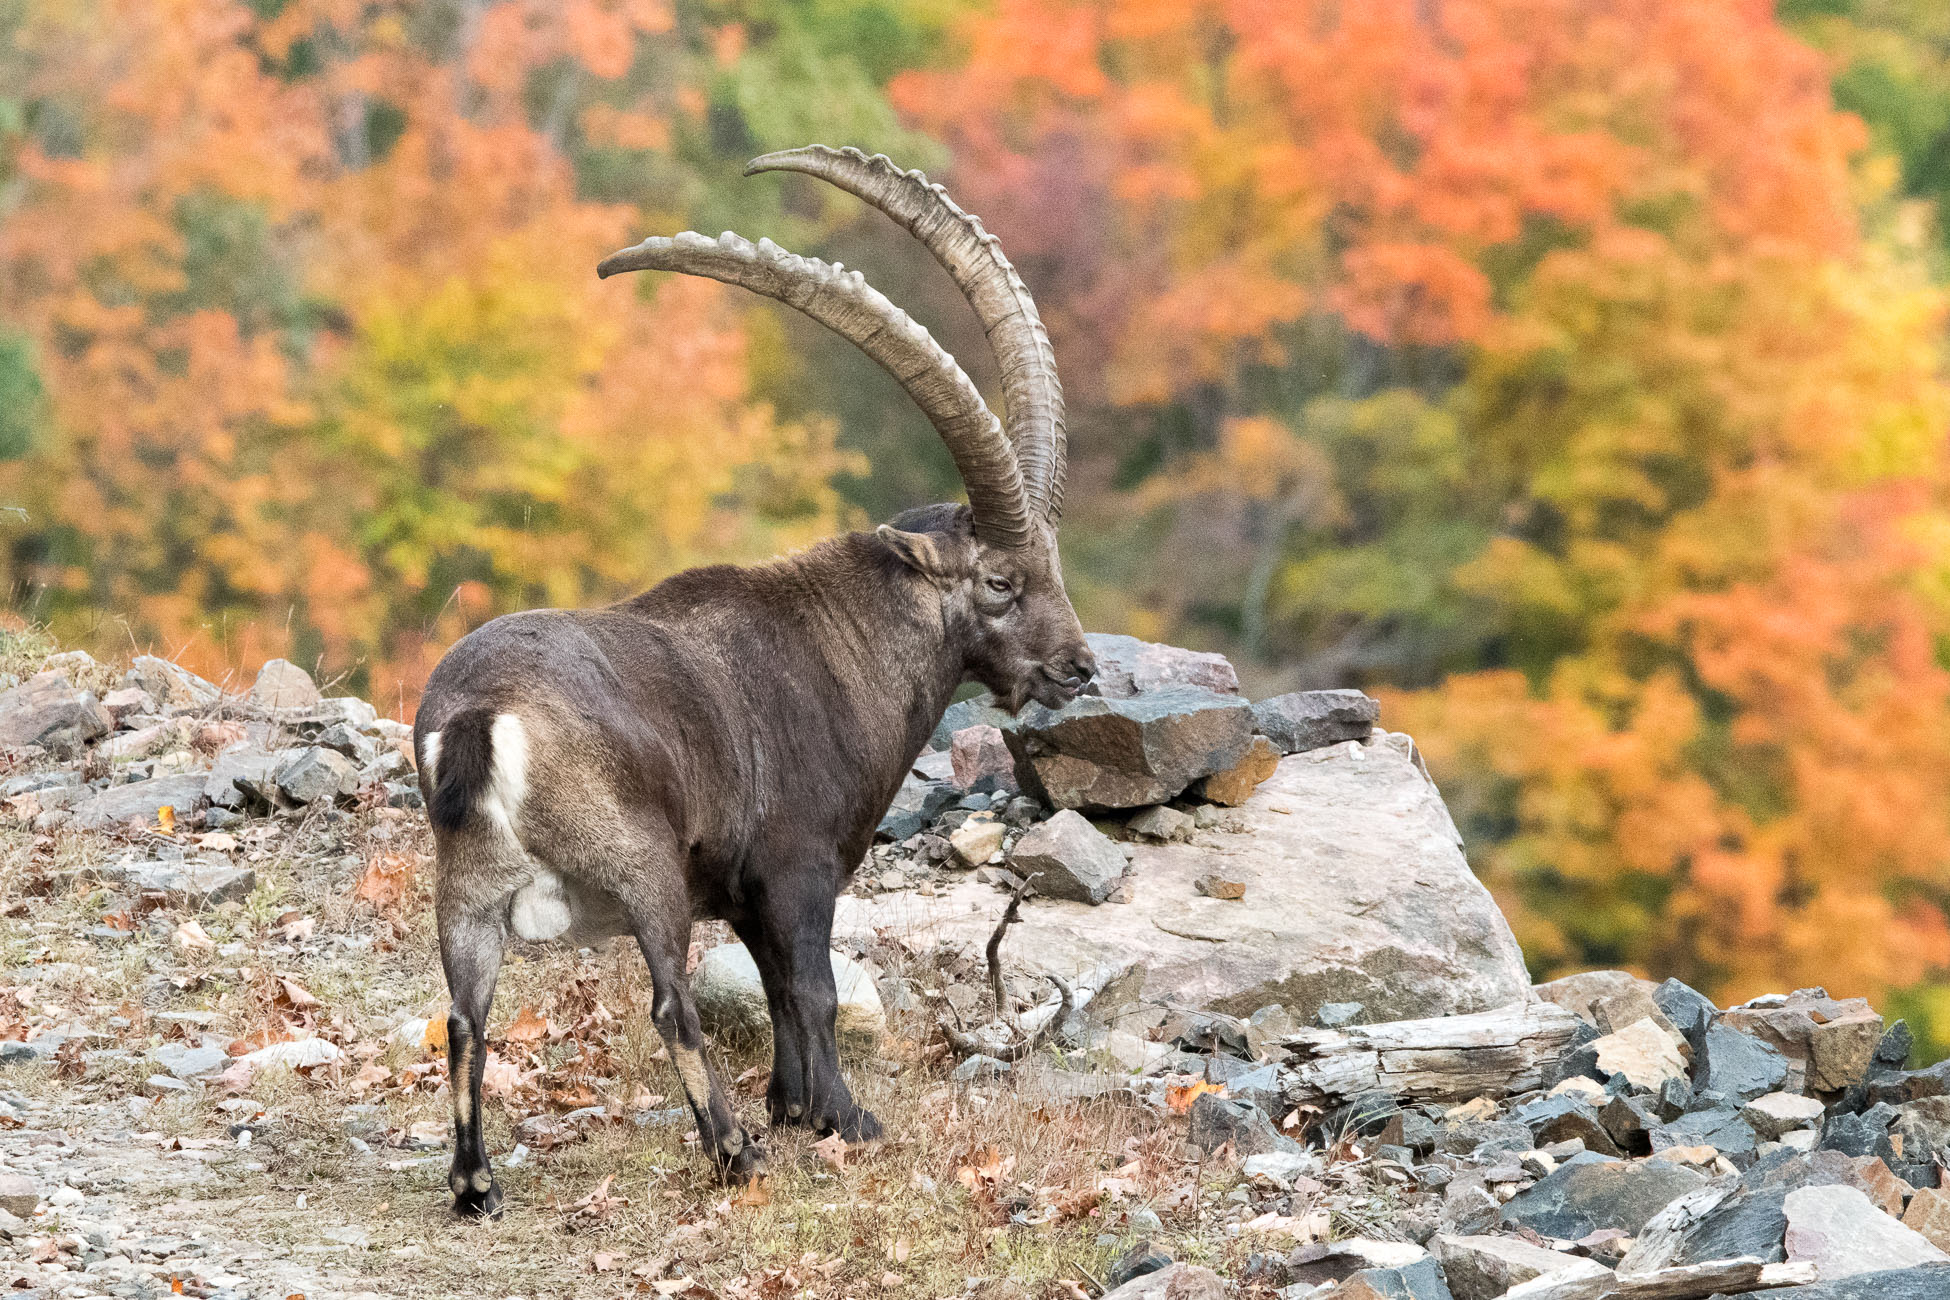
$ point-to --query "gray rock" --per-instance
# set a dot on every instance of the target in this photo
(245, 776)
(1098, 752)
(18, 1195)
(1736, 1064)
(187, 1062)
(731, 999)
(317, 774)
(1780, 1112)
(980, 1067)
(188, 883)
(1839, 1231)
(1580, 992)
(916, 804)
(981, 760)
(1483, 1268)
(1421, 1280)
(1162, 823)
(1307, 720)
(1067, 857)
(1218, 1120)
(1363, 896)
(1483, 1139)
(47, 710)
(141, 801)
(1564, 1118)
(1719, 1127)
(1864, 1134)
(1589, 1192)
(1334, 1015)
(975, 711)
(1127, 666)
(1925, 1282)
(174, 688)
(343, 739)
(1172, 1282)
(283, 686)
(1629, 1122)
(1924, 1126)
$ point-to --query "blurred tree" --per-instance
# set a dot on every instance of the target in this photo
(1530, 347)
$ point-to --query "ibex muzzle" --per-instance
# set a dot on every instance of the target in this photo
(724, 744)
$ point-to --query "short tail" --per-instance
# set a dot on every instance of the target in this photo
(462, 770)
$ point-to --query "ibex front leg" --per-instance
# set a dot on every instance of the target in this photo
(797, 933)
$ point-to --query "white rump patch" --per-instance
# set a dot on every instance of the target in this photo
(430, 754)
(540, 909)
(508, 775)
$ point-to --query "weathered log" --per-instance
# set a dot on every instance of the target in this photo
(1684, 1282)
(1444, 1058)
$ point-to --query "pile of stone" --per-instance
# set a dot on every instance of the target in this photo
(1609, 1138)
(1164, 748)
(163, 747)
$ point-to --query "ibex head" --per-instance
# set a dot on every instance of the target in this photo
(995, 560)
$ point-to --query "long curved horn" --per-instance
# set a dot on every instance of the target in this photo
(844, 302)
(1031, 391)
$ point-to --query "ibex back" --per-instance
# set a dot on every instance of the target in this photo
(724, 744)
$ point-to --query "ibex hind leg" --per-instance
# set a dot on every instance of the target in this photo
(470, 950)
(660, 917)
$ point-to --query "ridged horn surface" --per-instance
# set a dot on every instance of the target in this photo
(1032, 394)
(845, 303)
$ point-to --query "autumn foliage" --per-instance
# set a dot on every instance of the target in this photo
(1572, 372)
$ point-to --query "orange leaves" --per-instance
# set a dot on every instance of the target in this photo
(1180, 1096)
(528, 1029)
(386, 879)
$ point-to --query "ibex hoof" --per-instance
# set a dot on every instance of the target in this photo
(856, 1124)
(748, 1165)
(473, 1203)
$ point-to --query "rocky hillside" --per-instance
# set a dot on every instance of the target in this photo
(1166, 993)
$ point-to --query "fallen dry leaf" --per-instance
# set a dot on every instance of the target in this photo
(385, 880)
(190, 937)
(1180, 1098)
(831, 1149)
(757, 1192)
(527, 1029)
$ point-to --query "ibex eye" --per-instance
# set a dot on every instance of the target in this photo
(1000, 586)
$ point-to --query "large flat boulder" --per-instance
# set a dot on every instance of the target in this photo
(49, 711)
(1358, 893)
(1097, 752)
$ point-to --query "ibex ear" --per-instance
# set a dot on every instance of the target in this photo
(919, 551)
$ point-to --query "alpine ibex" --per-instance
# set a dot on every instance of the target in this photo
(725, 743)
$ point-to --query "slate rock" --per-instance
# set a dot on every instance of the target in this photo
(141, 801)
(981, 760)
(1334, 1015)
(1629, 1122)
(1418, 1281)
(1925, 1282)
(1136, 1262)
(1924, 1126)
(1588, 1192)
(317, 774)
(188, 883)
(1127, 666)
(1069, 858)
(1236, 784)
(1565, 1118)
(1689, 1010)
(1896, 1045)
(1483, 1139)
(283, 686)
(1098, 753)
(1866, 1134)
(976, 711)
(1217, 1120)
(916, 804)
(1483, 1268)
(1842, 1234)
(1719, 1127)
(730, 998)
(49, 711)
(1162, 823)
(187, 1062)
(1305, 720)
(1736, 1064)
(1375, 904)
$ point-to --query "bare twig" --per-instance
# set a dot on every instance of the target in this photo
(1010, 915)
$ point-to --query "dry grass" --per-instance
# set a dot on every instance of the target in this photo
(998, 1190)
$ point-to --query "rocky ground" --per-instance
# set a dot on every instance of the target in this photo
(1256, 1031)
